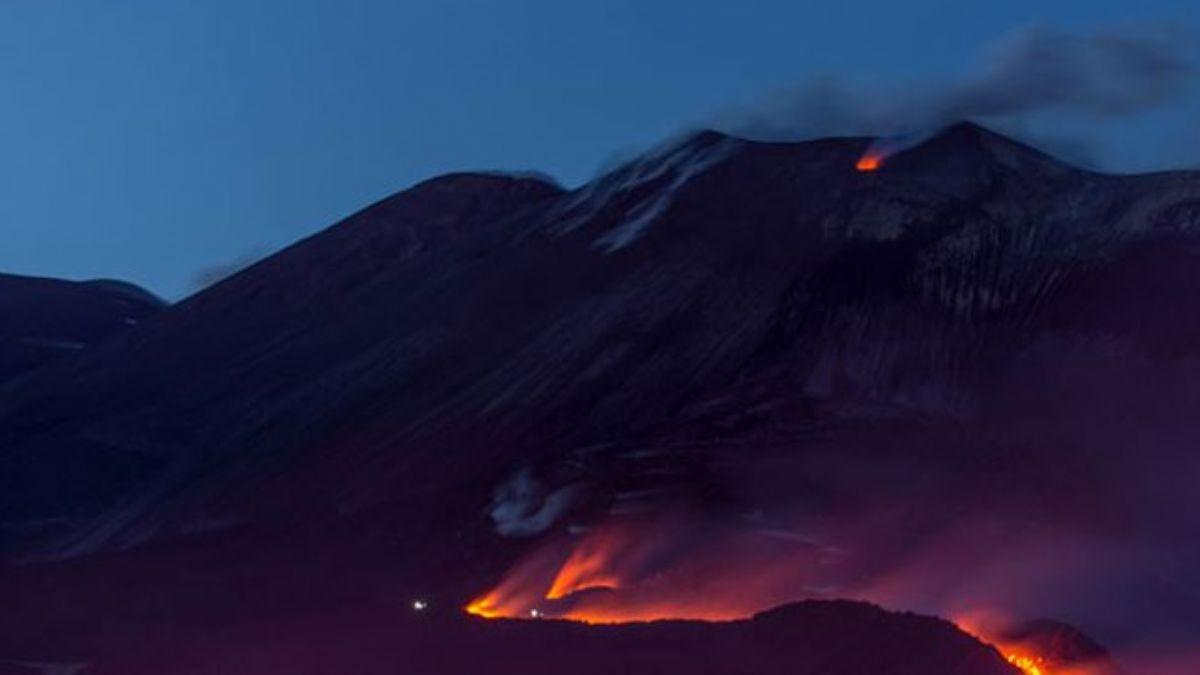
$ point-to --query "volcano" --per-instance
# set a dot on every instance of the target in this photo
(963, 380)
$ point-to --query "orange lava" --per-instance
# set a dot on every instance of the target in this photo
(1030, 665)
(626, 574)
(487, 606)
(588, 567)
(647, 571)
(869, 162)
(1017, 655)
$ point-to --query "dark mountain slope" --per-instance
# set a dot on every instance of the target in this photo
(223, 365)
(42, 320)
(431, 343)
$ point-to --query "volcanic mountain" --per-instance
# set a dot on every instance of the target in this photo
(972, 352)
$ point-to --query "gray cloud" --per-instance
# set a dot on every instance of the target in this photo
(1106, 75)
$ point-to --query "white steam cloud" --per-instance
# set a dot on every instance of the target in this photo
(521, 507)
(213, 274)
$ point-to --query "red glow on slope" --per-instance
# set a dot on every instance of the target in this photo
(634, 572)
(589, 566)
(871, 161)
(1023, 656)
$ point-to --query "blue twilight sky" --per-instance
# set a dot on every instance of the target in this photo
(151, 139)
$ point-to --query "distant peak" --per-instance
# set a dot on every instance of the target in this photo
(977, 145)
(705, 137)
(128, 290)
(971, 132)
(966, 129)
(488, 180)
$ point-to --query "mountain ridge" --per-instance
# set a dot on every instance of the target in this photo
(44, 319)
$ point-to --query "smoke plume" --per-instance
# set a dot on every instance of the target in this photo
(213, 274)
(1103, 76)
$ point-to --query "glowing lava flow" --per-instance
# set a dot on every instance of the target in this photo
(871, 161)
(672, 569)
(589, 566)
(487, 606)
(636, 573)
(1029, 664)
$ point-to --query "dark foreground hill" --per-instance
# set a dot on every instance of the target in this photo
(825, 638)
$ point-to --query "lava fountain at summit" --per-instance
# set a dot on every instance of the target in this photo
(881, 149)
(870, 161)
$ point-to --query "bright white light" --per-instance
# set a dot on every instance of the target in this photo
(537, 614)
(420, 605)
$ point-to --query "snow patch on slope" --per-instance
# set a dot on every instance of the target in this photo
(684, 164)
(676, 163)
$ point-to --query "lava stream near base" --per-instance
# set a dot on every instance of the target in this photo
(616, 575)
